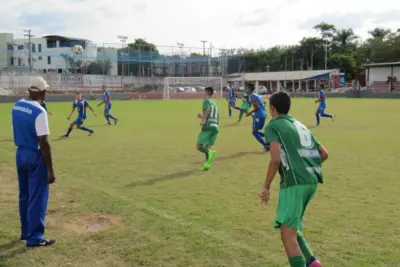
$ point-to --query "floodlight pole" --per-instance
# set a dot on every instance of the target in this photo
(123, 40)
(29, 48)
(204, 47)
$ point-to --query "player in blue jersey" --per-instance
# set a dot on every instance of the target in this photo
(107, 106)
(231, 99)
(259, 115)
(80, 104)
(34, 163)
(322, 106)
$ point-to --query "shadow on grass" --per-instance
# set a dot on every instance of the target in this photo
(100, 125)
(230, 124)
(183, 174)
(6, 140)
(11, 250)
(167, 177)
(310, 127)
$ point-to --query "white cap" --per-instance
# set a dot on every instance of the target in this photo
(38, 84)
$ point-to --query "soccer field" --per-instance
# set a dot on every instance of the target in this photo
(134, 195)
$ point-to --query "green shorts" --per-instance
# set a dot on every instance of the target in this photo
(292, 204)
(207, 137)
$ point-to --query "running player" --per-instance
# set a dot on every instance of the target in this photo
(298, 157)
(231, 99)
(44, 105)
(80, 104)
(107, 106)
(322, 106)
(260, 115)
(209, 128)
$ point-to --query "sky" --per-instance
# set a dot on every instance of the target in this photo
(225, 24)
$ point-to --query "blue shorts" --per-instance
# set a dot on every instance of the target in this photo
(258, 123)
(232, 102)
(79, 121)
(321, 109)
(107, 108)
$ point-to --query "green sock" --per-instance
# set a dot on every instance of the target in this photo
(297, 261)
(241, 115)
(305, 248)
(204, 150)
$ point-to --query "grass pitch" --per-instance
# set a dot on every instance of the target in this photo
(134, 195)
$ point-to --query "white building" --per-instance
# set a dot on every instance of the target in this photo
(51, 53)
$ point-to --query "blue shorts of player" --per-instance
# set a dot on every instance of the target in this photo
(79, 121)
(321, 108)
(258, 123)
(107, 108)
(232, 102)
(33, 193)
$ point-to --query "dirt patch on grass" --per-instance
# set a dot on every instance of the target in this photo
(92, 223)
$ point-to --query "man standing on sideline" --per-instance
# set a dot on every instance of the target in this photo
(34, 163)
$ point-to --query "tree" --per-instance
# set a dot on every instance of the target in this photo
(345, 38)
(380, 33)
(326, 30)
(99, 67)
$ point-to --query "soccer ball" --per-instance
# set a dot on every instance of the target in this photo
(77, 49)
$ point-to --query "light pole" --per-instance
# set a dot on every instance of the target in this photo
(181, 45)
(326, 46)
(29, 48)
(123, 40)
(204, 47)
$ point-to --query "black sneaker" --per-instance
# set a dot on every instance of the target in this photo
(42, 243)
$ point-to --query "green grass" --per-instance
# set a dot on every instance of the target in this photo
(144, 174)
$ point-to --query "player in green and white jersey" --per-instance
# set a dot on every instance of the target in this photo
(298, 157)
(209, 128)
(245, 107)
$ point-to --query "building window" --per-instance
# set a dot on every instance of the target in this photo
(12, 61)
(39, 57)
(40, 48)
(33, 48)
(10, 47)
(19, 61)
(20, 47)
(49, 60)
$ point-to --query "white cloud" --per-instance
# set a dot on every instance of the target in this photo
(227, 24)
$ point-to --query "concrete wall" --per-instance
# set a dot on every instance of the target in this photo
(5, 53)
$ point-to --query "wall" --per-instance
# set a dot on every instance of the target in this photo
(57, 61)
(5, 54)
(396, 72)
(378, 74)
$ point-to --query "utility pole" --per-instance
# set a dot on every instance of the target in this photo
(204, 47)
(312, 58)
(29, 48)
(326, 46)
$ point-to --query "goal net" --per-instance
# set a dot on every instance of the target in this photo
(191, 87)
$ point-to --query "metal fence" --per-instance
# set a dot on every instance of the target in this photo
(17, 83)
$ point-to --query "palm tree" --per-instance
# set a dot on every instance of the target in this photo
(380, 33)
(326, 30)
(345, 38)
